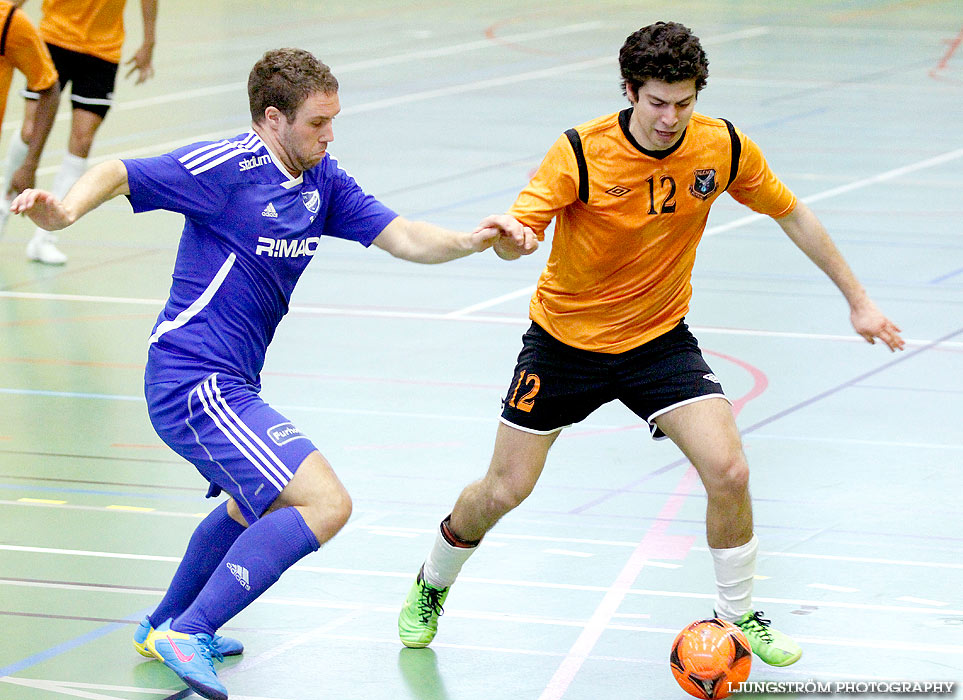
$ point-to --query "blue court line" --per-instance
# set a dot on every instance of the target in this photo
(91, 492)
(470, 200)
(69, 645)
(788, 118)
(947, 276)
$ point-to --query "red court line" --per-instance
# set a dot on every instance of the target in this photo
(139, 447)
(490, 34)
(898, 6)
(945, 60)
(760, 384)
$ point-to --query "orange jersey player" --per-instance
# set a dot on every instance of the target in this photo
(627, 224)
(630, 195)
(92, 27)
(22, 48)
(84, 38)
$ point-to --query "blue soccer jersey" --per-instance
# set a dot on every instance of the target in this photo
(250, 231)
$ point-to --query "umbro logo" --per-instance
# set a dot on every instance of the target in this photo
(618, 191)
(712, 378)
(270, 211)
(241, 574)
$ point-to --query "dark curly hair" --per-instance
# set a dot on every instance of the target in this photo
(665, 51)
(285, 78)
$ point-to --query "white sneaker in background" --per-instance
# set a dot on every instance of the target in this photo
(41, 249)
(4, 213)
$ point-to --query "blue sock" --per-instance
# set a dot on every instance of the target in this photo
(209, 543)
(251, 566)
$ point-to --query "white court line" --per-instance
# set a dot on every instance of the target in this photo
(411, 97)
(524, 291)
(399, 531)
(922, 601)
(855, 441)
(393, 609)
(855, 560)
(807, 672)
(420, 55)
(831, 587)
(752, 218)
(76, 689)
(250, 662)
(568, 553)
(459, 316)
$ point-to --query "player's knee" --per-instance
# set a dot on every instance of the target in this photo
(340, 508)
(728, 477)
(330, 512)
(507, 494)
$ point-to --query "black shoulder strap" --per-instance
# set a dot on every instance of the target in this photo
(6, 30)
(583, 192)
(736, 152)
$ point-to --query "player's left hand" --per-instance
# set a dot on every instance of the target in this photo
(870, 323)
(509, 238)
(142, 64)
(43, 208)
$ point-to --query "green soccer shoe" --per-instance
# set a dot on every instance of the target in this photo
(418, 619)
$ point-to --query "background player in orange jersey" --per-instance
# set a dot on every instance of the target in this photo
(22, 48)
(630, 194)
(85, 39)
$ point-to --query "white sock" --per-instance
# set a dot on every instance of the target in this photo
(445, 561)
(70, 171)
(735, 569)
(16, 154)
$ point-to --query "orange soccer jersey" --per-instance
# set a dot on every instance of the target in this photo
(627, 223)
(22, 48)
(94, 27)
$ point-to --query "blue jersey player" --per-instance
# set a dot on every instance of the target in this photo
(255, 208)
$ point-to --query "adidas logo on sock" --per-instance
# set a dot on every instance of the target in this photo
(241, 574)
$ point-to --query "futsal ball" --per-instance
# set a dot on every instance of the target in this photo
(710, 658)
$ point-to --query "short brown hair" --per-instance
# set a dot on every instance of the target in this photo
(284, 78)
(666, 51)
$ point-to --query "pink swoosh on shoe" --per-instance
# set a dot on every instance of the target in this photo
(177, 652)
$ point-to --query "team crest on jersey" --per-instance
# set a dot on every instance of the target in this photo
(704, 184)
(312, 200)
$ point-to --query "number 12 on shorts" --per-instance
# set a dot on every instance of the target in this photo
(532, 383)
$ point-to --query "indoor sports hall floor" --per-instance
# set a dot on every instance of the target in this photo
(396, 370)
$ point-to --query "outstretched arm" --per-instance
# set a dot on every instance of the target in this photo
(100, 183)
(422, 242)
(807, 232)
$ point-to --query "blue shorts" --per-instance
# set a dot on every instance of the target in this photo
(220, 424)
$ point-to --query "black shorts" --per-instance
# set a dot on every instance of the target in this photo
(556, 385)
(92, 79)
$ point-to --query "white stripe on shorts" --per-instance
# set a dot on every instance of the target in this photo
(203, 392)
(282, 468)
